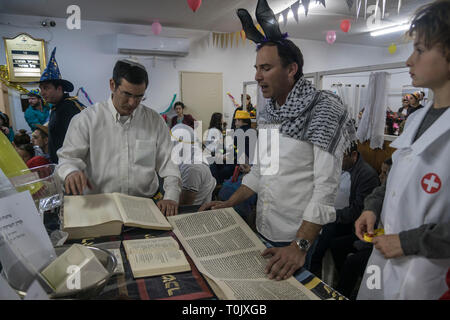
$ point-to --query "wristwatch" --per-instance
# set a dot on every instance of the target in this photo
(303, 243)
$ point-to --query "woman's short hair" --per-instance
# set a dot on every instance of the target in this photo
(179, 103)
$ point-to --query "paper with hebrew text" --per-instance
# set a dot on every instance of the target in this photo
(228, 252)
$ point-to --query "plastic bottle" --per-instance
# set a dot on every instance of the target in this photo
(13, 165)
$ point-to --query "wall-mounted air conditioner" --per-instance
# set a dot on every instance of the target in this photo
(152, 45)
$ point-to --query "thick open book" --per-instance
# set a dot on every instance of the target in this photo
(100, 215)
(228, 254)
(155, 256)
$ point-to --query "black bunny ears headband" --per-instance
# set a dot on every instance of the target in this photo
(266, 19)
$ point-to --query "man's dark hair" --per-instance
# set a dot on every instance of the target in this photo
(353, 147)
(55, 83)
(27, 148)
(216, 121)
(179, 103)
(388, 161)
(132, 72)
(431, 23)
(288, 53)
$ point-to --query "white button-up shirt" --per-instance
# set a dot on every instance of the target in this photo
(120, 157)
(303, 188)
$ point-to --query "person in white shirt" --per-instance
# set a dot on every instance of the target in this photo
(197, 181)
(311, 129)
(120, 145)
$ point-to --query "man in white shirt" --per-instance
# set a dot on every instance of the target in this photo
(197, 181)
(120, 145)
(312, 129)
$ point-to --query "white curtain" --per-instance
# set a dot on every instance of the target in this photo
(371, 126)
(352, 96)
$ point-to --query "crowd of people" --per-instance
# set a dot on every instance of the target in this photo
(320, 194)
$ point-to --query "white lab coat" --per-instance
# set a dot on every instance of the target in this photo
(414, 196)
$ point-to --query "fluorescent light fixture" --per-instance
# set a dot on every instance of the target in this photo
(393, 29)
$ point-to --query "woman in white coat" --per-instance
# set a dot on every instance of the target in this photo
(417, 190)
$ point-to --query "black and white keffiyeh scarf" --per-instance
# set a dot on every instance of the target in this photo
(315, 116)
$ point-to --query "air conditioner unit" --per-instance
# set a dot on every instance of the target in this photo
(152, 45)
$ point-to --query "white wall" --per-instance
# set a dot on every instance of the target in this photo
(86, 57)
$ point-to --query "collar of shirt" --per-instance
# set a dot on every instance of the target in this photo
(114, 112)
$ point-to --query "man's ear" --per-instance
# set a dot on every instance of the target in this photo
(292, 69)
(112, 85)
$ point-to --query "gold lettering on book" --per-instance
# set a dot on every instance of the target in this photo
(169, 281)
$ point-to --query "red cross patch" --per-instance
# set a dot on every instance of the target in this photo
(431, 183)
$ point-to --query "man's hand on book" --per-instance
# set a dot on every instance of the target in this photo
(214, 205)
(284, 261)
(76, 182)
(168, 207)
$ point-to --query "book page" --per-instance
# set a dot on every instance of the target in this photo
(155, 256)
(150, 244)
(90, 210)
(140, 211)
(227, 251)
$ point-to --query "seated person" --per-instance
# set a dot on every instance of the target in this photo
(26, 152)
(241, 155)
(363, 179)
(37, 112)
(406, 108)
(414, 101)
(120, 145)
(213, 137)
(5, 127)
(186, 119)
(385, 167)
(39, 138)
(197, 182)
(247, 208)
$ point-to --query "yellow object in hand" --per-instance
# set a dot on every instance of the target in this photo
(377, 232)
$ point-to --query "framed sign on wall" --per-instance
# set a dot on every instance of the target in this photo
(25, 57)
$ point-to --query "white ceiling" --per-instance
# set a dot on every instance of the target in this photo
(220, 15)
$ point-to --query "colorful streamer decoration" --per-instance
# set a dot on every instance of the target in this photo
(170, 105)
(237, 105)
(85, 94)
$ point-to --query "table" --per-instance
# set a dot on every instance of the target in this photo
(180, 286)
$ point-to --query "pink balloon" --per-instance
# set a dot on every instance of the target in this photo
(194, 4)
(331, 36)
(345, 25)
(156, 28)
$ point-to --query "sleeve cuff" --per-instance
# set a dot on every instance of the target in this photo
(410, 241)
(172, 188)
(64, 171)
(319, 213)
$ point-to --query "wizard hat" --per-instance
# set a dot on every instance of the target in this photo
(52, 73)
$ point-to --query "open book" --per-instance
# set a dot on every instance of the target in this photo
(100, 215)
(228, 254)
(155, 256)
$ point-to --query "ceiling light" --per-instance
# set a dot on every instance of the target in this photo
(393, 29)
